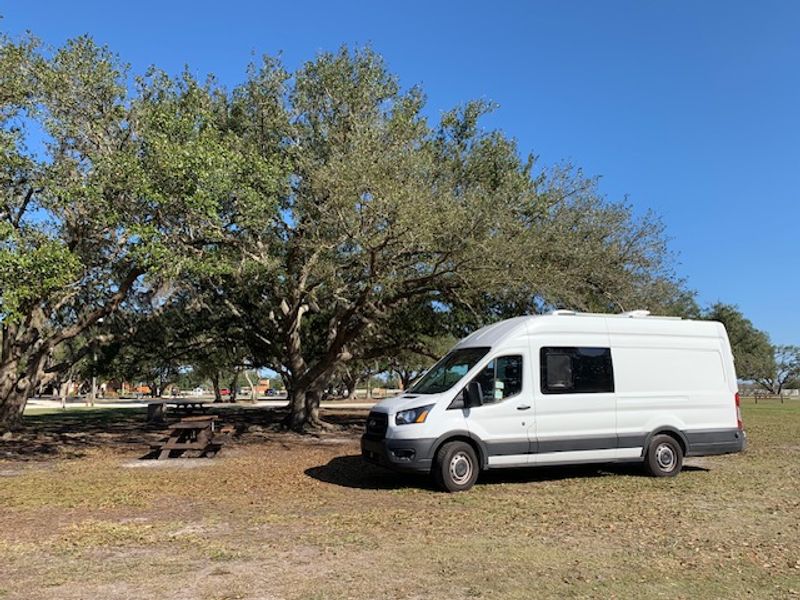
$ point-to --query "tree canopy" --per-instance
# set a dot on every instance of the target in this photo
(125, 192)
(386, 214)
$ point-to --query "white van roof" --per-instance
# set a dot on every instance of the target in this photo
(568, 321)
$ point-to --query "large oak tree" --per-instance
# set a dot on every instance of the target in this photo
(385, 211)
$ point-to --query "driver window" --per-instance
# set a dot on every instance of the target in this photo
(501, 378)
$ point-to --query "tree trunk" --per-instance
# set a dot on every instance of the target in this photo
(304, 410)
(215, 383)
(310, 379)
(16, 387)
(297, 418)
(406, 377)
(253, 393)
(66, 388)
(350, 381)
(12, 402)
(234, 385)
(313, 399)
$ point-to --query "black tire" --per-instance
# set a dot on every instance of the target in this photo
(456, 467)
(664, 456)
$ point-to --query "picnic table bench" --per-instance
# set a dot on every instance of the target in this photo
(156, 409)
(192, 437)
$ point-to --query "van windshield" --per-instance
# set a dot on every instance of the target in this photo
(448, 371)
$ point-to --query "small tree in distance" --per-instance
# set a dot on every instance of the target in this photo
(786, 370)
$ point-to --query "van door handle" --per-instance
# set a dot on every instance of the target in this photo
(523, 407)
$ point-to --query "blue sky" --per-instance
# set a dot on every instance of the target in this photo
(689, 108)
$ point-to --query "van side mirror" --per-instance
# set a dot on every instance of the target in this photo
(473, 395)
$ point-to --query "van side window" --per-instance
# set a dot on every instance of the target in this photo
(501, 378)
(571, 370)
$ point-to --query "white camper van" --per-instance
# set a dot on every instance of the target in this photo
(565, 388)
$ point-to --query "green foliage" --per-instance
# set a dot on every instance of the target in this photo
(394, 230)
(132, 192)
(32, 266)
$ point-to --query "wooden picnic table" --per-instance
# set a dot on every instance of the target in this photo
(192, 437)
(156, 409)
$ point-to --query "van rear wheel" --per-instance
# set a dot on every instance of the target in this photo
(664, 456)
(456, 467)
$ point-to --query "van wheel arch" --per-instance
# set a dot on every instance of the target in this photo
(677, 434)
(477, 445)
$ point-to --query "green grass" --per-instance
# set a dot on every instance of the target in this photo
(283, 516)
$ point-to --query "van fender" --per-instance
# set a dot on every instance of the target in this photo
(463, 434)
(674, 431)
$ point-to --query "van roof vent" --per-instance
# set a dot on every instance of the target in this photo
(635, 314)
(562, 311)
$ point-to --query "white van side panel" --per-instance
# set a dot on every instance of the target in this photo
(664, 378)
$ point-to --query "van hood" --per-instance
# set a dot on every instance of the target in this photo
(406, 401)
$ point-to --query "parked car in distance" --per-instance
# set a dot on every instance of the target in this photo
(565, 388)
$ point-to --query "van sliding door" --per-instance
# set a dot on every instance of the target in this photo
(575, 407)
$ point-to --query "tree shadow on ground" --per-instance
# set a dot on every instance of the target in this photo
(70, 434)
(354, 472)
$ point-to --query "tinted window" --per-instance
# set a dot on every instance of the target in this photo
(448, 371)
(570, 370)
(501, 378)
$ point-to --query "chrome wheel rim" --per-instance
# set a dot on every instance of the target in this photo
(665, 457)
(460, 468)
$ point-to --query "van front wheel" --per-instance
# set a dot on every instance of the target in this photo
(456, 467)
(664, 456)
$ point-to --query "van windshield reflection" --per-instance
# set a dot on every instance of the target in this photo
(448, 371)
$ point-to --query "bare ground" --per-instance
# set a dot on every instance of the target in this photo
(281, 516)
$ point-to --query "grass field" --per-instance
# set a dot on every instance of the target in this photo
(280, 516)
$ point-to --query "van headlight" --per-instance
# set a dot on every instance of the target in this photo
(413, 415)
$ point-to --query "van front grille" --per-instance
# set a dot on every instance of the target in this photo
(377, 423)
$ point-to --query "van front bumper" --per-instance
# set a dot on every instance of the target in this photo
(414, 456)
